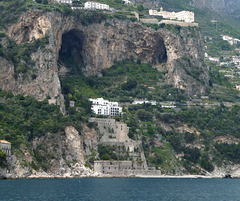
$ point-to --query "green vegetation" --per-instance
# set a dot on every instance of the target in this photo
(219, 121)
(120, 82)
(3, 160)
(229, 151)
(24, 118)
(107, 152)
(20, 54)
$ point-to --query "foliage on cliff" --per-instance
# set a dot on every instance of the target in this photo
(24, 118)
(20, 54)
(3, 160)
(125, 82)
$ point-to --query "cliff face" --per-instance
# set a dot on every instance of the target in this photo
(96, 47)
(58, 155)
(230, 7)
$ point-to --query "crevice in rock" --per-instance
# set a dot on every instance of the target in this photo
(71, 52)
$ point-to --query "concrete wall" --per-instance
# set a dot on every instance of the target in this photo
(123, 168)
(183, 24)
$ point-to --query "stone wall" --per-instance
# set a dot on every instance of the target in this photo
(123, 168)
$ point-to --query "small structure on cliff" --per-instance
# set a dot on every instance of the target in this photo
(231, 40)
(127, 2)
(123, 168)
(6, 147)
(105, 107)
(152, 102)
(63, 1)
(131, 159)
(185, 16)
(96, 6)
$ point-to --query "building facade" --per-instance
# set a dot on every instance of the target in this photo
(123, 168)
(105, 107)
(63, 1)
(96, 6)
(231, 40)
(6, 147)
(152, 102)
(185, 16)
(127, 2)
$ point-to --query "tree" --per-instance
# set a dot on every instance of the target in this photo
(131, 84)
(144, 115)
(3, 158)
(140, 7)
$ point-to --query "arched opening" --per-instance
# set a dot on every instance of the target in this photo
(71, 52)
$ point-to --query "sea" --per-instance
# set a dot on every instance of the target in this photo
(114, 189)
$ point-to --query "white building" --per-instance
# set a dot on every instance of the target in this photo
(105, 107)
(236, 60)
(152, 102)
(63, 1)
(127, 2)
(185, 16)
(231, 40)
(214, 59)
(6, 147)
(96, 5)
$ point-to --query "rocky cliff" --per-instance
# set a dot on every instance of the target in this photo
(230, 7)
(52, 155)
(98, 46)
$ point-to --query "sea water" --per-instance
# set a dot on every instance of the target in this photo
(114, 189)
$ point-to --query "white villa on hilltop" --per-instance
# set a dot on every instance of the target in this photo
(127, 2)
(231, 40)
(96, 5)
(185, 16)
(93, 5)
(105, 107)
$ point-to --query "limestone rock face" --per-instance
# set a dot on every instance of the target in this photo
(30, 27)
(62, 155)
(98, 46)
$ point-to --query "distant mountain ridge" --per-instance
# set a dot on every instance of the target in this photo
(226, 7)
(229, 7)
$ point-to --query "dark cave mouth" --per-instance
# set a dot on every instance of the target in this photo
(70, 54)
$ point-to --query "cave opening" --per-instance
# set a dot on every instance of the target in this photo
(162, 52)
(71, 53)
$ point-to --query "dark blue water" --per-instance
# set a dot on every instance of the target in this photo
(113, 189)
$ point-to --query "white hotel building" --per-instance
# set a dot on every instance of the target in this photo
(96, 5)
(105, 107)
(185, 16)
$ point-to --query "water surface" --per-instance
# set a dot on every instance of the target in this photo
(114, 189)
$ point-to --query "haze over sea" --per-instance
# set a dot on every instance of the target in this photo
(114, 189)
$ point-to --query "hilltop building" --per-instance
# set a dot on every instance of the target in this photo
(238, 87)
(236, 60)
(185, 16)
(6, 147)
(96, 6)
(127, 2)
(115, 134)
(152, 102)
(231, 40)
(63, 1)
(105, 107)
